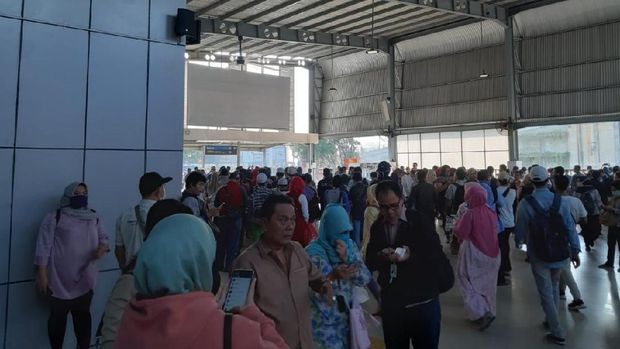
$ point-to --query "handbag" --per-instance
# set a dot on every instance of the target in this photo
(608, 218)
(358, 327)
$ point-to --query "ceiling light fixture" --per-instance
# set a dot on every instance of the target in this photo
(186, 55)
(332, 89)
(372, 50)
(483, 74)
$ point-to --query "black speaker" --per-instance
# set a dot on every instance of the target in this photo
(186, 25)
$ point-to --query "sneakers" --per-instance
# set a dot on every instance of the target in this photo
(555, 340)
(606, 266)
(576, 305)
(486, 321)
(563, 296)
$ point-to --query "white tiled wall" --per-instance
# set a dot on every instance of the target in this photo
(6, 177)
(116, 92)
(81, 109)
(52, 90)
(121, 17)
(9, 46)
(113, 179)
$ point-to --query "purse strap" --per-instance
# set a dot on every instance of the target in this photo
(228, 331)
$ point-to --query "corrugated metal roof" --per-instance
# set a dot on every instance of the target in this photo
(390, 18)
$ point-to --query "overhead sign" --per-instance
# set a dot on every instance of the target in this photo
(221, 150)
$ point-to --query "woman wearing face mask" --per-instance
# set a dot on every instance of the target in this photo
(613, 235)
(70, 241)
(340, 261)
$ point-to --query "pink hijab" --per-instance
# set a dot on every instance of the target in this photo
(479, 223)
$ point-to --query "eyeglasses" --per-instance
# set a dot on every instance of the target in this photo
(393, 207)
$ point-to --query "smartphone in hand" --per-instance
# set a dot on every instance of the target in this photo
(238, 289)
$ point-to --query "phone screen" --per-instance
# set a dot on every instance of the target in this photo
(238, 289)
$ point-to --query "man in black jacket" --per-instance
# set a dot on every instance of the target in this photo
(405, 253)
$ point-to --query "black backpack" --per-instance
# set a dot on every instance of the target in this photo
(548, 233)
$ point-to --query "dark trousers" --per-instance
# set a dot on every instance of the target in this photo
(591, 230)
(228, 242)
(504, 247)
(613, 239)
(80, 312)
(419, 325)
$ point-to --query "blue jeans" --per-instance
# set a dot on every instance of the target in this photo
(419, 326)
(548, 285)
(227, 242)
(356, 234)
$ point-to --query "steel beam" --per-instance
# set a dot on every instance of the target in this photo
(434, 29)
(530, 5)
(204, 10)
(513, 137)
(297, 12)
(242, 8)
(270, 10)
(216, 26)
(468, 8)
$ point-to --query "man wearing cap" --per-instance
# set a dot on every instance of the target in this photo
(547, 274)
(130, 224)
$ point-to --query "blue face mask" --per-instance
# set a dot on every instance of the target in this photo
(80, 201)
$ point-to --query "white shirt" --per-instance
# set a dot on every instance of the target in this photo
(506, 212)
(577, 210)
(129, 234)
(303, 202)
(407, 183)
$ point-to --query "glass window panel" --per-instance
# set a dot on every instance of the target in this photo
(430, 142)
(450, 142)
(496, 158)
(474, 159)
(253, 68)
(401, 144)
(414, 143)
(429, 160)
(403, 159)
(473, 140)
(415, 158)
(495, 141)
(452, 159)
(271, 70)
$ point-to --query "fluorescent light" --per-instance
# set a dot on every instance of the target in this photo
(484, 75)
(186, 55)
(372, 51)
(271, 57)
(222, 53)
(298, 58)
(286, 58)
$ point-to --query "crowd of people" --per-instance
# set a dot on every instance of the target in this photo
(318, 251)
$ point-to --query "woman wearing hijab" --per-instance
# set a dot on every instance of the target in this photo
(173, 307)
(371, 214)
(70, 241)
(303, 233)
(339, 259)
(479, 259)
(230, 220)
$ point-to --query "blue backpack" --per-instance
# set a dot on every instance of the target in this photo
(548, 233)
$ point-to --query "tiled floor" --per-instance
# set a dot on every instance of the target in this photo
(520, 316)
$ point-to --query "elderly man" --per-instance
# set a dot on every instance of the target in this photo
(283, 273)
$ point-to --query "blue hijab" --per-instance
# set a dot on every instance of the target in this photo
(176, 258)
(335, 225)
